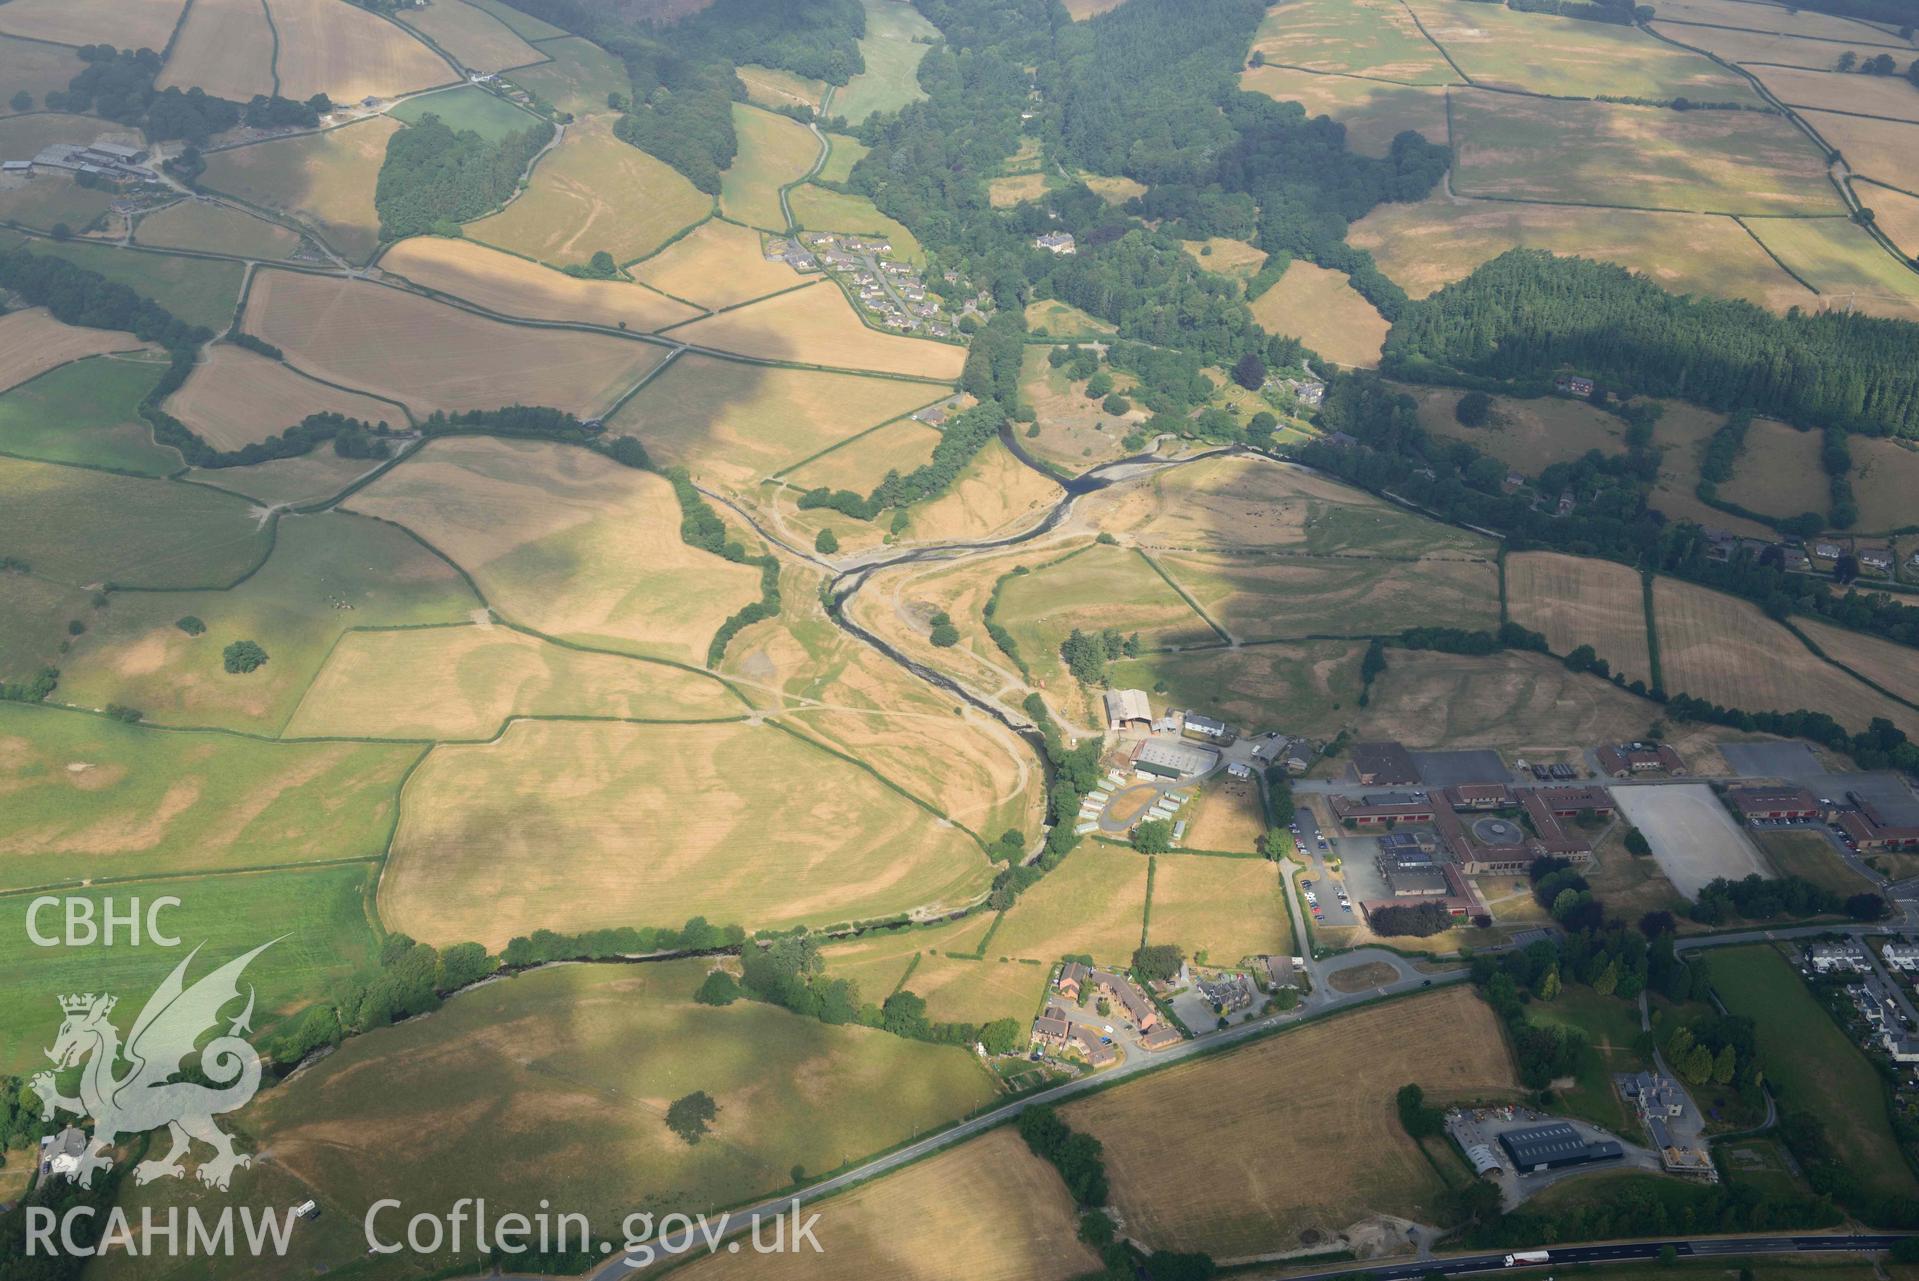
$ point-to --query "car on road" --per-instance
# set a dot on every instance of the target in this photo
(1346, 908)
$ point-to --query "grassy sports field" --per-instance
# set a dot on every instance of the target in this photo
(1310, 687)
(89, 797)
(1290, 597)
(1537, 53)
(1645, 157)
(1778, 472)
(225, 48)
(464, 682)
(816, 325)
(1093, 904)
(327, 573)
(1725, 650)
(196, 290)
(350, 54)
(1371, 37)
(512, 286)
(1436, 241)
(235, 397)
(216, 228)
(325, 180)
(139, 23)
(566, 541)
(717, 264)
(87, 412)
(1215, 1183)
(1812, 1065)
(773, 152)
(1885, 474)
(318, 915)
(1219, 909)
(470, 107)
(576, 1066)
(32, 342)
(481, 41)
(578, 77)
(988, 1208)
(485, 850)
(1527, 435)
(1373, 111)
(1095, 588)
(1323, 310)
(817, 209)
(1895, 667)
(141, 533)
(581, 201)
(736, 422)
(896, 40)
(430, 356)
(1844, 263)
(36, 68)
(1576, 600)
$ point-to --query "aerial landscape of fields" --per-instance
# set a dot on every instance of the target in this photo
(1039, 640)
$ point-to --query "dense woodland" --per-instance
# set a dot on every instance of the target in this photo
(434, 179)
(118, 84)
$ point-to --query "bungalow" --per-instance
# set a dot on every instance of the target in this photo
(1828, 551)
(1902, 955)
(1878, 559)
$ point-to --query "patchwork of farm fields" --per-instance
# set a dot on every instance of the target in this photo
(325, 180)
(207, 227)
(480, 41)
(349, 53)
(1294, 597)
(774, 152)
(224, 48)
(236, 398)
(816, 325)
(512, 286)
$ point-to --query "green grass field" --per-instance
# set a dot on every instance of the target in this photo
(1611, 1026)
(33, 623)
(579, 77)
(1308, 687)
(575, 1067)
(1224, 909)
(1092, 904)
(318, 916)
(846, 152)
(1098, 588)
(50, 201)
(1844, 263)
(139, 533)
(216, 228)
(1289, 597)
(521, 24)
(470, 107)
(895, 42)
(91, 797)
(817, 209)
(198, 291)
(327, 573)
(1599, 153)
(88, 413)
(1812, 1066)
(1373, 38)
(1063, 320)
(774, 151)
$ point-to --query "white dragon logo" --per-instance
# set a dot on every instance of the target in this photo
(145, 1097)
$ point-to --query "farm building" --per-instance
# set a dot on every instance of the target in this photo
(1624, 760)
(1383, 764)
(1206, 729)
(1773, 803)
(1555, 1146)
(1173, 760)
(1128, 709)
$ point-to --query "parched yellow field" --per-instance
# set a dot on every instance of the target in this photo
(35, 69)
(1576, 600)
(1373, 111)
(1682, 435)
(716, 264)
(479, 40)
(289, 481)
(1017, 189)
(1770, 47)
(225, 48)
(1885, 475)
(1895, 213)
(1539, 53)
(1893, 666)
(772, 87)
(1527, 435)
(1892, 97)
(1727, 651)
(1080, 10)
(1844, 263)
(995, 493)
(1778, 471)
(325, 180)
(347, 53)
(1114, 190)
(817, 326)
(1373, 37)
(512, 286)
(432, 356)
(861, 464)
(1093, 904)
(1251, 1170)
(1230, 817)
(570, 825)
(1219, 910)
(1436, 241)
(774, 152)
(578, 78)
(565, 541)
(1884, 149)
(128, 24)
(726, 420)
(877, 961)
(963, 990)
(235, 398)
(1227, 257)
(1322, 310)
(212, 227)
(1759, 15)
(1740, 162)
(465, 682)
(591, 193)
(1063, 320)
(1292, 597)
(32, 342)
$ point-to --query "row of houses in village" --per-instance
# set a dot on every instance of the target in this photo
(1060, 1029)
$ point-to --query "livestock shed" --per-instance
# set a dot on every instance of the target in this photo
(1555, 1146)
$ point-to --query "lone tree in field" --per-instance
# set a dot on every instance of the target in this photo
(827, 542)
(1154, 836)
(691, 1116)
(243, 656)
(1474, 409)
(1250, 372)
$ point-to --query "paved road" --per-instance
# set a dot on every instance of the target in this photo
(1619, 1252)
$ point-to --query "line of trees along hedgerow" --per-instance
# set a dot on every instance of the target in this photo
(118, 84)
(434, 178)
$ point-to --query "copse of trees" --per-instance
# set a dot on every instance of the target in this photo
(1079, 1158)
(434, 178)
